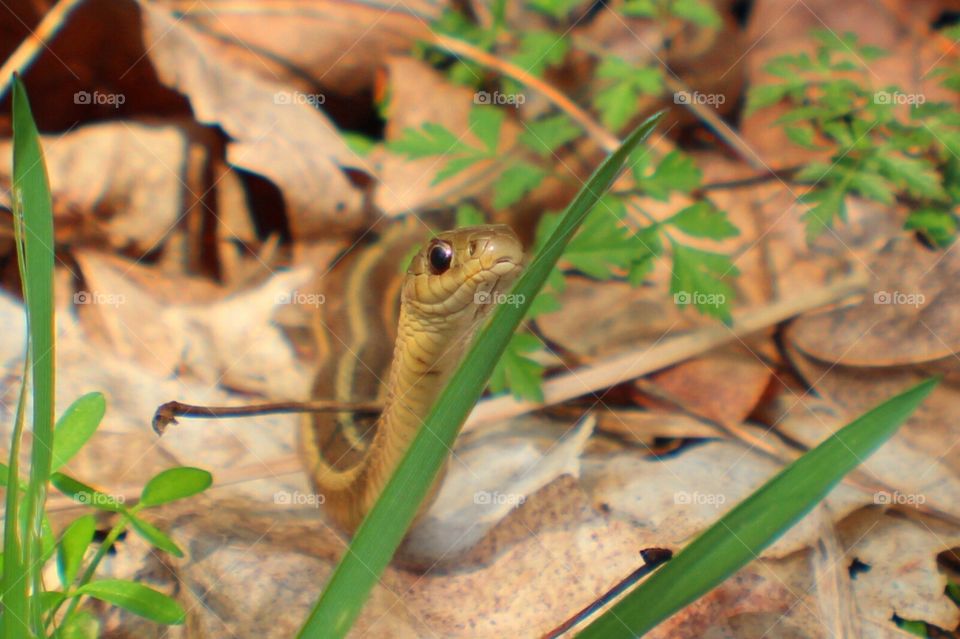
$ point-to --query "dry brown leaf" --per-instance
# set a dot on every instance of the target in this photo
(169, 324)
(834, 591)
(275, 133)
(919, 463)
(631, 317)
(703, 385)
(121, 184)
(670, 500)
(124, 316)
(490, 476)
(907, 315)
(643, 427)
(405, 185)
(315, 42)
(903, 578)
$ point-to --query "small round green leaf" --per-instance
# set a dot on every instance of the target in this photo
(173, 484)
(76, 426)
(137, 598)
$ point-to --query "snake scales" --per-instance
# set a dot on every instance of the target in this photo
(446, 292)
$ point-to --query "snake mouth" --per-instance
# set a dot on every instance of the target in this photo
(484, 302)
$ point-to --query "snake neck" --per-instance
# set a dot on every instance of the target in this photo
(424, 358)
(445, 294)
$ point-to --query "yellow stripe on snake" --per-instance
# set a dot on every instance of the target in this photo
(445, 294)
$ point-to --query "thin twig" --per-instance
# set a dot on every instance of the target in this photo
(653, 558)
(709, 117)
(167, 414)
(640, 361)
(785, 174)
(21, 59)
(607, 141)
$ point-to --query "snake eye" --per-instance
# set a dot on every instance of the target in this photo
(440, 256)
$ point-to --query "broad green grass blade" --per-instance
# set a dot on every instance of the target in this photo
(739, 536)
(34, 212)
(383, 529)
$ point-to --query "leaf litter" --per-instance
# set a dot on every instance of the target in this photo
(542, 513)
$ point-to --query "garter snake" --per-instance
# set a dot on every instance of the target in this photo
(446, 292)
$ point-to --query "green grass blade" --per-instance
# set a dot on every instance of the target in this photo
(15, 602)
(383, 529)
(739, 536)
(32, 205)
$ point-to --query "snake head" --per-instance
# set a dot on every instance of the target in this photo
(460, 275)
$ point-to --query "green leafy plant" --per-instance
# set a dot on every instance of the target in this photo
(615, 242)
(30, 607)
(880, 143)
(608, 246)
(700, 12)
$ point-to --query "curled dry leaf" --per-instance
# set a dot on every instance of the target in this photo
(330, 44)
(910, 313)
(274, 133)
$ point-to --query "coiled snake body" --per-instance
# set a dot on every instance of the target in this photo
(450, 286)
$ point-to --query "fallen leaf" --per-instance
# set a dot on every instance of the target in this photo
(275, 133)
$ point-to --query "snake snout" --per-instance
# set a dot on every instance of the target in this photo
(498, 249)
